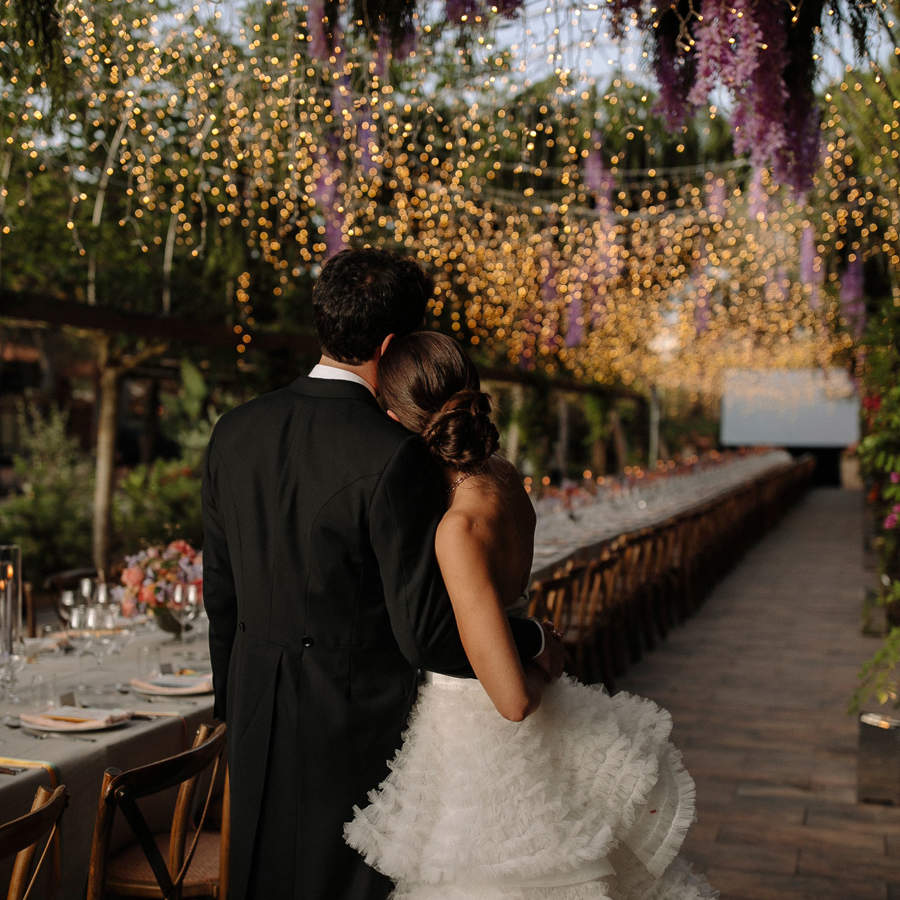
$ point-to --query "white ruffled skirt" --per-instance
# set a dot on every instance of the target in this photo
(585, 800)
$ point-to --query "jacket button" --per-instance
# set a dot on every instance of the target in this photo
(242, 626)
(308, 641)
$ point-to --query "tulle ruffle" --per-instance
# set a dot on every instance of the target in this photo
(586, 798)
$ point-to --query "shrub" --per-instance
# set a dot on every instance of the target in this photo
(155, 504)
(51, 516)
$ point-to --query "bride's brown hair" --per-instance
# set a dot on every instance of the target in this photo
(433, 388)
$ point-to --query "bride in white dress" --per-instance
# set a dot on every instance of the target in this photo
(507, 786)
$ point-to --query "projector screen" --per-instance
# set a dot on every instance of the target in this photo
(789, 408)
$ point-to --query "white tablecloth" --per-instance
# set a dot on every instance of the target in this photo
(79, 762)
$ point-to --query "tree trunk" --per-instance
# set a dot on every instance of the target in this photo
(167, 265)
(562, 436)
(97, 216)
(598, 457)
(653, 449)
(108, 401)
(5, 164)
(619, 441)
(514, 433)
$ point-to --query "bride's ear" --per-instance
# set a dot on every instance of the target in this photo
(392, 415)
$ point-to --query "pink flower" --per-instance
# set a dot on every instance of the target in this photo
(895, 477)
(148, 595)
(132, 577)
(129, 605)
(891, 521)
(181, 547)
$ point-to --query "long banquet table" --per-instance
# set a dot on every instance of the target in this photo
(79, 762)
(563, 533)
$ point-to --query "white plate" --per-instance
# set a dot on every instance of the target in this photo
(174, 685)
(73, 718)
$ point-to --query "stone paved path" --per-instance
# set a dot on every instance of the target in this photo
(758, 682)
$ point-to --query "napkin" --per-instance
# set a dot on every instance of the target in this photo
(72, 718)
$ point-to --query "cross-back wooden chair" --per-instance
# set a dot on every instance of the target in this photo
(22, 835)
(163, 864)
(631, 587)
(570, 610)
(551, 599)
(600, 634)
(655, 583)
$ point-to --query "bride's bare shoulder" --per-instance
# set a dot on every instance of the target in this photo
(463, 526)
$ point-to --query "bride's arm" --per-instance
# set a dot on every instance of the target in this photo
(462, 554)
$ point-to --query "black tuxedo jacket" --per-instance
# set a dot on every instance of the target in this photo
(323, 597)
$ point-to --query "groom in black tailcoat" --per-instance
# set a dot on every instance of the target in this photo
(323, 593)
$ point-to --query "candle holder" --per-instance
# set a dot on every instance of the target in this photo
(10, 599)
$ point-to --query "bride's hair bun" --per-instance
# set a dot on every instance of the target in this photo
(461, 433)
(431, 387)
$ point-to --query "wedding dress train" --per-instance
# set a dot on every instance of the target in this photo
(586, 799)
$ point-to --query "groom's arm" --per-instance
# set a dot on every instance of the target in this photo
(219, 595)
(407, 505)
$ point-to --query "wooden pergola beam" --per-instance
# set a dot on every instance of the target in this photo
(36, 309)
(25, 307)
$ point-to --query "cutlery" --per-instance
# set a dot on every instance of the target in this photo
(11, 770)
(43, 735)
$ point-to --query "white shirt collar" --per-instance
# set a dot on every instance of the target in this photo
(322, 370)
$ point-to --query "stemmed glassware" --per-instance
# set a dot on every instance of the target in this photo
(185, 604)
(67, 603)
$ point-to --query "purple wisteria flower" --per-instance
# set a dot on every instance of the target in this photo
(852, 297)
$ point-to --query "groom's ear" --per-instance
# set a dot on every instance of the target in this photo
(392, 415)
(384, 345)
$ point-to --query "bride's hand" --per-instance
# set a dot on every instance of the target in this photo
(552, 658)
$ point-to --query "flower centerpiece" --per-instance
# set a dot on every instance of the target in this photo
(160, 580)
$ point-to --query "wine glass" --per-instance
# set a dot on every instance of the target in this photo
(86, 591)
(102, 595)
(67, 603)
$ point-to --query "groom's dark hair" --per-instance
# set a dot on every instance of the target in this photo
(362, 296)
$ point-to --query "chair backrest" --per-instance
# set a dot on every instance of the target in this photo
(551, 599)
(21, 836)
(121, 791)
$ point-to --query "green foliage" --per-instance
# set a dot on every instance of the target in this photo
(189, 416)
(879, 451)
(878, 678)
(51, 517)
(596, 414)
(155, 504)
(533, 416)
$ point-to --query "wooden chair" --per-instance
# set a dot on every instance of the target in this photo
(21, 836)
(599, 635)
(141, 870)
(631, 588)
(551, 599)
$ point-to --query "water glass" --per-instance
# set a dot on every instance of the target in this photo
(148, 661)
(43, 692)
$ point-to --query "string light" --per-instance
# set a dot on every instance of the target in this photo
(501, 158)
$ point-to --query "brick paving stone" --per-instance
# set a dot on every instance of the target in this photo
(758, 681)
